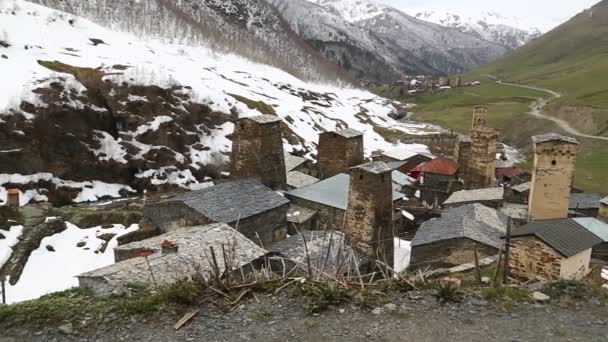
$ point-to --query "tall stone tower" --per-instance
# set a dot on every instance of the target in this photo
(257, 151)
(554, 160)
(338, 151)
(482, 166)
(480, 117)
(369, 216)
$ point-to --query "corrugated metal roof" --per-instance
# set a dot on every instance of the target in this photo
(332, 192)
(473, 221)
(402, 179)
(585, 200)
(489, 194)
(565, 236)
(440, 165)
(231, 201)
(597, 227)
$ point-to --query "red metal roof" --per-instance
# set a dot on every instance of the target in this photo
(510, 171)
(440, 165)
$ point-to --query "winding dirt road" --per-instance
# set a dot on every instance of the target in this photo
(537, 107)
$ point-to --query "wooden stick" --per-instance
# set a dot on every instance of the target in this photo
(477, 270)
(495, 276)
(185, 319)
(505, 276)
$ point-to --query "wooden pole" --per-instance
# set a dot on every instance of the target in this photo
(497, 268)
(505, 276)
(3, 291)
(477, 270)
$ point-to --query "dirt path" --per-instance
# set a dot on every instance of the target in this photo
(536, 109)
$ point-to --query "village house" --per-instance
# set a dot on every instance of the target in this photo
(603, 212)
(404, 184)
(338, 151)
(177, 255)
(452, 239)
(512, 175)
(518, 193)
(438, 178)
(257, 151)
(551, 249)
(255, 210)
(301, 218)
(490, 197)
(599, 229)
(584, 204)
(402, 160)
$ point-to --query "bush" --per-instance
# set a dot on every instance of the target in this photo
(447, 292)
(326, 294)
(183, 292)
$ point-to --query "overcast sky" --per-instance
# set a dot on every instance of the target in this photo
(544, 14)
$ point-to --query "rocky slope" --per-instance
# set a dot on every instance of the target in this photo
(87, 112)
(378, 42)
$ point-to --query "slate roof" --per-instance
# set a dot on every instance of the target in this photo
(376, 167)
(402, 179)
(478, 195)
(565, 236)
(474, 221)
(585, 200)
(522, 187)
(298, 179)
(347, 133)
(604, 200)
(396, 165)
(299, 214)
(537, 139)
(264, 118)
(291, 161)
(440, 165)
(516, 211)
(464, 138)
(231, 201)
(402, 154)
(332, 192)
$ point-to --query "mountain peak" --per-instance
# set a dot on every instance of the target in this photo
(353, 10)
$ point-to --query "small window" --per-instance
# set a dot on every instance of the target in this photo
(554, 162)
(360, 177)
(382, 178)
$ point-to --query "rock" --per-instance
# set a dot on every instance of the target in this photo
(5, 56)
(540, 297)
(81, 244)
(486, 280)
(390, 307)
(479, 302)
(535, 286)
(377, 311)
(106, 237)
(50, 248)
(66, 329)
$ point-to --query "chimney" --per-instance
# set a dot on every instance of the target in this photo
(554, 163)
(369, 215)
(339, 151)
(257, 151)
(12, 198)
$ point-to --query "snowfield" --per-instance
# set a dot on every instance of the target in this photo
(49, 271)
(216, 80)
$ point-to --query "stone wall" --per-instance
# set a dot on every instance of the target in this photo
(437, 188)
(480, 117)
(257, 152)
(327, 217)
(449, 253)
(443, 144)
(600, 251)
(171, 216)
(482, 166)
(576, 267)
(264, 228)
(462, 156)
(603, 212)
(530, 258)
(552, 179)
(369, 225)
(338, 153)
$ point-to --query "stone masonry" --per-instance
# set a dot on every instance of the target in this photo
(480, 117)
(554, 162)
(339, 151)
(482, 166)
(257, 151)
(368, 223)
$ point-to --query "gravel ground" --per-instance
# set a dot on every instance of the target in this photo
(412, 316)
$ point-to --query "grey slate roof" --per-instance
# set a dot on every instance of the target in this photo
(604, 200)
(474, 221)
(516, 211)
(298, 214)
(298, 179)
(264, 118)
(396, 165)
(553, 137)
(402, 179)
(231, 201)
(291, 161)
(522, 187)
(376, 167)
(565, 236)
(349, 133)
(478, 195)
(332, 192)
(464, 138)
(585, 200)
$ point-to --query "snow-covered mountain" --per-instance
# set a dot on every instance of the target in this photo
(88, 112)
(375, 41)
(492, 26)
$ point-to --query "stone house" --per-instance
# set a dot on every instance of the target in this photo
(438, 179)
(551, 249)
(255, 210)
(490, 197)
(512, 175)
(584, 204)
(329, 198)
(452, 239)
(518, 194)
(338, 151)
(603, 212)
(190, 255)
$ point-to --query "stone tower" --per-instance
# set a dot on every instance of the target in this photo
(369, 216)
(480, 117)
(257, 151)
(12, 198)
(481, 170)
(554, 160)
(339, 151)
